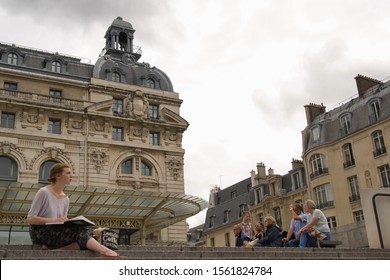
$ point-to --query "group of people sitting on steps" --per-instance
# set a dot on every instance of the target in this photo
(307, 227)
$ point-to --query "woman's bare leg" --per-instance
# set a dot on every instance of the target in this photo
(95, 246)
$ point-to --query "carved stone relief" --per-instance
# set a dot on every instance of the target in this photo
(137, 105)
(7, 148)
(32, 119)
(175, 166)
(99, 158)
(54, 153)
(100, 126)
(173, 137)
(74, 125)
(138, 132)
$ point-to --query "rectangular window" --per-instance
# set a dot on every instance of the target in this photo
(117, 133)
(348, 155)
(345, 124)
(384, 172)
(153, 111)
(117, 106)
(7, 120)
(55, 95)
(154, 138)
(358, 216)
(296, 180)
(212, 242)
(226, 216)
(332, 222)
(278, 216)
(12, 58)
(233, 194)
(212, 221)
(227, 239)
(56, 67)
(243, 208)
(260, 217)
(54, 126)
(374, 109)
(259, 194)
(379, 143)
(353, 188)
(324, 196)
(10, 86)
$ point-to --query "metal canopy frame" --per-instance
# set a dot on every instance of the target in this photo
(144, 211)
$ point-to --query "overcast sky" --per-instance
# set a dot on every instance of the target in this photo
(244, 69)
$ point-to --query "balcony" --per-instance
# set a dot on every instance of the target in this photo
(379, 151)
(44, 100)
(320, 171)
(354, 197)
(325, 204)
(349, 163)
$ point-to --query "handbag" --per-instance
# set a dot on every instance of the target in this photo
(106, 237)
(312, 232)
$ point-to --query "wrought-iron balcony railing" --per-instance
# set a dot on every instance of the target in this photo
(379, 151)
(318, 172)
(354, 197)
(349, 163)
(325, 204)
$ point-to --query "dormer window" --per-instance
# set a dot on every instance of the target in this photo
(12, 58)
(211, 221)
(56, 67)
(116, 77)
(345, 124)
(374, 110)
(150, 83)
(226, 216)
(315, 134)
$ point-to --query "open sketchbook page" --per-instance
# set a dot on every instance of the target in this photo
(79, 220)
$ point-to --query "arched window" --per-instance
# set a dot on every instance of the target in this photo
(44, 171)
(318, 165)
(150, 83)
(56, 67)
(374, 110)
(379, 143)
(116, 77)
(348, 155)
(146, 170)
(8, 169)
(315, 134)
(345, 124)
(12, 58)
(127, 167)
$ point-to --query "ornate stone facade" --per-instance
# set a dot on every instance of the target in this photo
(116, 124)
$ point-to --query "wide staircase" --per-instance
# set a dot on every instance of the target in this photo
(153, 252)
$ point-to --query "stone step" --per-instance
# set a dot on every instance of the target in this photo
(28, 252)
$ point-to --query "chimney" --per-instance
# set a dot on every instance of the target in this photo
(261, 170)
(270, 171)
(363, 83)
(312, 111)
(296, 163)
